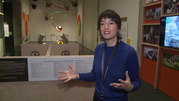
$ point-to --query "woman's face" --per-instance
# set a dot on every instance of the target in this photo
(108, 29)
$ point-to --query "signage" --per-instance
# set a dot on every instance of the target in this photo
(13, 69)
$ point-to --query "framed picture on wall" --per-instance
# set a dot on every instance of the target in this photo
(151, 34)
(150, 53)
(171, 60)
(170, 6)
(152, 14)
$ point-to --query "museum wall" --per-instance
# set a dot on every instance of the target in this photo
(90, 24)
(68, 19)
(42, 17)
(125, 8)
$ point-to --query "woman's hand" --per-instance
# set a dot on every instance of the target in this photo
(125, 85)
(68, 75)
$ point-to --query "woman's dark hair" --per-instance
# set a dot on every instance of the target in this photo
(111, 14)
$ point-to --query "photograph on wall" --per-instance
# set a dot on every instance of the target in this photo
(153, 14)
(171, 6)
(151, 1)
(151, 34)
(171, 60)
(150, 53)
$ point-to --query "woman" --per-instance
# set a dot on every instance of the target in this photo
(115, 67)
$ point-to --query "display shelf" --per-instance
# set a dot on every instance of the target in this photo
(151, 18)
(148, 63)
(148, 44)
(151, 24)
(154, 72)
(164, 15)
(168, 75)
(157, 68)
(167, 48)
(153, 3)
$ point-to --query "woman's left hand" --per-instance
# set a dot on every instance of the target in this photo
(125, 85)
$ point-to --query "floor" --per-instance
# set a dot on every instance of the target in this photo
(148, 93)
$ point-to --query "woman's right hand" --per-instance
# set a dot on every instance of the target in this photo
(68, 75)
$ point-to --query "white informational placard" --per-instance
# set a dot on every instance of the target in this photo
(6, 30)
(46, 68)
(124, 32)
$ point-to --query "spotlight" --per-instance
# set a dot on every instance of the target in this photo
(59, 28)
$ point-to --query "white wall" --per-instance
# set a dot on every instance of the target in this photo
(38, 24)
(80, 32)
(90, 23)
(125, 8)
(68, 20)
